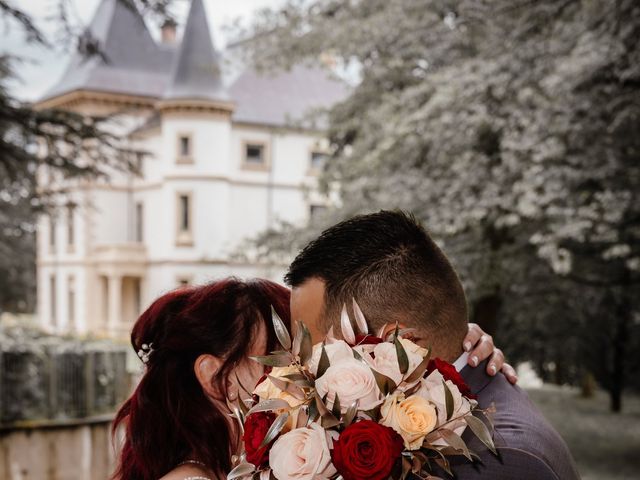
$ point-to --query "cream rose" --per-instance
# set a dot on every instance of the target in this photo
(303, 454)
(336, 351)
(432, 389)
(413, 418)
(385, 359)
(267, 390)
(351, 380)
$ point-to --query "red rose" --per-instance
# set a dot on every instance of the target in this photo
(366, 450)
(367, 339)
(255, 429)
(449, 372)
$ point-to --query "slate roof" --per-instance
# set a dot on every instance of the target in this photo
(136, 65)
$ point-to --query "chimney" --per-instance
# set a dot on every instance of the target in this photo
(169, 31)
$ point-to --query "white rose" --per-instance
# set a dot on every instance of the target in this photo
(351, 380)
(385, 359)
(302, 454)
(432, 389)
(267, 389)
(336, 351)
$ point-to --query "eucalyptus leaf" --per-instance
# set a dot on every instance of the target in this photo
(288, 387)
(281, 330)
(297, 339)
(420, 370)
(275, 429)
(306, 347)
(361, 321)
(269, 406)
(385, 384)
(312, 412)
(336, 409)
(448, 397)
(323, 364)
(241, 470)
(481, 431)
(350, 414)
(455, 441)
(403, 359)
(348, 334)
(278, 360)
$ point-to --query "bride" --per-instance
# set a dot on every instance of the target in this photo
(195, 343)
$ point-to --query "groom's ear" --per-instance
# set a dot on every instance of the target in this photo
(206, 367)
(388, 328)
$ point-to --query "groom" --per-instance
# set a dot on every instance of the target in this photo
(390, 265)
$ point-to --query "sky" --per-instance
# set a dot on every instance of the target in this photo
(40, 68)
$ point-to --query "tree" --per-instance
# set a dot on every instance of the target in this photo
(510, 128)
(61, 143)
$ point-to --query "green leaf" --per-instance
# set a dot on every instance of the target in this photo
(278, 360)
(481, 431)
(403, 359)
(327, 419)
(420, 370)
(336, 410)
(281, 330)
(385, 384)
(288, 387)
(297, 339)
(269, 405)
(350, 414)
(448, 400)
(275, 429)
(323, 364)
(242, 470)
(455, 441)
(306, 347)
(312, 411)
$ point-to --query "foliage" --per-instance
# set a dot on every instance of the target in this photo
(510, 129)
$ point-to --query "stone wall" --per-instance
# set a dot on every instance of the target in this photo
(73, 451)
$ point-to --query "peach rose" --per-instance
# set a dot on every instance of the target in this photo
(351, 380)
(432, 389)
(267, 390)
(303, 454)
(413, 418)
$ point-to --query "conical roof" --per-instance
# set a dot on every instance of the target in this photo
(130, 61)
(197, 73)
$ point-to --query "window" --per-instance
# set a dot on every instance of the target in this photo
(185, 149)
(184, 281)
(318, 160)
(139, 163)
(71, 301)
(139, 222)
(255, 156)
(184, 219)
(71, 232)
(52, 300)
(52, 233)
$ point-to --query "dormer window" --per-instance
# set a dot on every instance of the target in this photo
(185, 148)
(255, 156)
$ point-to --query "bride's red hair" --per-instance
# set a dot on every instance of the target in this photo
(168, 417)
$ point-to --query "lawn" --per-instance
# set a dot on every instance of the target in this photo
(604, 445)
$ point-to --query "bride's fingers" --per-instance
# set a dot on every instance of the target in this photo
(473, 337)
(496, 362)
(510, 372)
(482, 350)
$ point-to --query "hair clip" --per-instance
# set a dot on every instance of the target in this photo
(145, 352)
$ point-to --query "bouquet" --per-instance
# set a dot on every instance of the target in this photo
(361, 407)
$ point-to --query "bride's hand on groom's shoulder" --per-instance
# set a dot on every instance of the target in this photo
(480, 347)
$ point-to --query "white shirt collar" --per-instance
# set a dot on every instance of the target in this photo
(461, 362)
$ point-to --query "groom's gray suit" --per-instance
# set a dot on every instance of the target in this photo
(529, 448)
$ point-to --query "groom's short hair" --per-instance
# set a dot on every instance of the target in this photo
(391, 266)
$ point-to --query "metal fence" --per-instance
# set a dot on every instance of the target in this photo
(51, 379)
